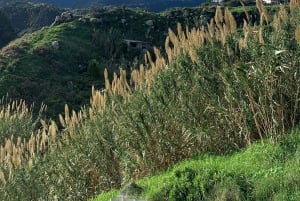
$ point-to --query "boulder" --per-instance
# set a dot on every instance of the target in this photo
(130, 193)
(72, 26)
(64, 17)
(83, 20)
(55, 45)
(132, 190)
(149, 22)
(95, 20)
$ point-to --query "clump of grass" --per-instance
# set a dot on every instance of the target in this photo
(16, 119)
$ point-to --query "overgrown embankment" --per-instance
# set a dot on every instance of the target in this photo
(214, 89)
(261, 172)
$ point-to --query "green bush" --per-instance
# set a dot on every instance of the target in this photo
(17, 120)
(95, 69)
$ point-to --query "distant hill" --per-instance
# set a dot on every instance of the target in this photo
(19, 18)
(154, 5)
(7, 32)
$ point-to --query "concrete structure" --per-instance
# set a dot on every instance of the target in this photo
(136, 44)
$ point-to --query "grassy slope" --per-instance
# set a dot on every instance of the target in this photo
(260, 172)
(18, 18)
(45, 75)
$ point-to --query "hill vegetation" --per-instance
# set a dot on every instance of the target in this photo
(154, 5)
(7, 32)
(17, 19)
(48, 65)
(212, 89)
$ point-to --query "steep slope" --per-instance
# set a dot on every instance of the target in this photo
(59, 64)
(7, 32)
(19, 18)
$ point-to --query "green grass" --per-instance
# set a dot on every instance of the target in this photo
(260, 172)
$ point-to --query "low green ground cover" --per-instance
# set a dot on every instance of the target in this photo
(268, 171)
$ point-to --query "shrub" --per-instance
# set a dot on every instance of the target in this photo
(95, 68)
(17, 120)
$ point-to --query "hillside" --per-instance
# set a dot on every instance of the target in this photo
(221, 100)
(17, 19)
(48, 65)
(7, 32)
(260, 172)
(154, 5)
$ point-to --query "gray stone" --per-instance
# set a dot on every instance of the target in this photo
(67, 16)
(149, 22)
(132, 190)
(122, 198)
(83, 20)
(55, 45)
(95, 20)
(64, 17)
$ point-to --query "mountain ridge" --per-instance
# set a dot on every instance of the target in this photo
(154, 5)
(16, 19)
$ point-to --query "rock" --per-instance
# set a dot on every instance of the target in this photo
(67, 16)
(95, 20)
(120, 198)
(132, 190)
(72, 26)
(149, 22)
(56, 21)
(64, 17)
(55, 45)
(83, 20)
